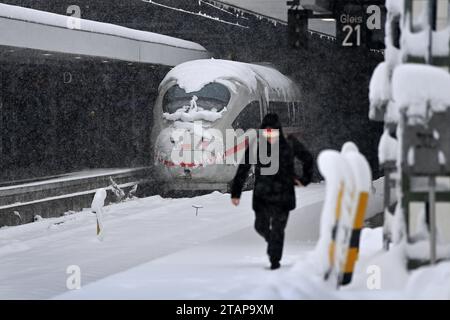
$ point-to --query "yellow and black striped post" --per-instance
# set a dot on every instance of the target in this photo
(353, 250)
(332, 247)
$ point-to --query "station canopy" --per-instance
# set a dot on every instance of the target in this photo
(277, 9)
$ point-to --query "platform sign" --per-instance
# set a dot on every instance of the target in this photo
(360, 24)
(350, 25)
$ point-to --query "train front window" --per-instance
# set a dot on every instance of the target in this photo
(212, 97)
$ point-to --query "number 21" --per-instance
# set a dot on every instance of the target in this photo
(349, 29)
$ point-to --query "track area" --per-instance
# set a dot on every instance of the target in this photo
(48, 197)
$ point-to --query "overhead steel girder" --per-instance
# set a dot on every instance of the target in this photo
(319, 6)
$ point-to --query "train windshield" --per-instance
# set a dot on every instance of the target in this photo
(212, 97)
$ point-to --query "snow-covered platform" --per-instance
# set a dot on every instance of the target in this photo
(27, 32)
(156, 248)
(179, 251)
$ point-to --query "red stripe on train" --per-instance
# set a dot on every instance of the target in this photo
(168, 163)
(236, 148)
(231, 151)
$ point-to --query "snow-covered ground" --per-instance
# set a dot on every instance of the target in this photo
(35, 257)
(158, 248)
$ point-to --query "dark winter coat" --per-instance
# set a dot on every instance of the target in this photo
(277, 189)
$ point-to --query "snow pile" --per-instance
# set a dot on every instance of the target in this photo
(417, 86)
(380, 92)
(421, 250)
(414, 42)
(155, 249)
(431, 282)
(417, 43)
(192, 76)
(188, 114)
(391, 265)
(392, 54)
(197, 128)
(379, 88)
(395, 7)
(378, 274)
(52, 19)
(388, 148)
(349, 147)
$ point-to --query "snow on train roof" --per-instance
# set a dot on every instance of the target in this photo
(57, 20)
(192, 76)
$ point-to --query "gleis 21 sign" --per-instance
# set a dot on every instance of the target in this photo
(360, 24)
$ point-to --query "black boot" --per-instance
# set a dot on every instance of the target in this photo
(275, 265)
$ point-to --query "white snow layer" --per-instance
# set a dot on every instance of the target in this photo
(165, 234)
(52, 19)
(417, 43)
(158, 248)
(349, 147)
(416, 86)
(99, 200)
(379, 89)
(97, 206)
(387, 148)
(192, 76)
(378, 274)
(362, 173)
(190, 115)
(395, 7)
(177, 251)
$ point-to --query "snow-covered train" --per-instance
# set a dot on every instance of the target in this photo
(215, 95)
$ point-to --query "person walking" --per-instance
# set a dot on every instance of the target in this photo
(274, 195)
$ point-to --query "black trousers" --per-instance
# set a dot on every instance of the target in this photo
(270, 223)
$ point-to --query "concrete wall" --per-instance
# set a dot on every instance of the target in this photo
(70, 115)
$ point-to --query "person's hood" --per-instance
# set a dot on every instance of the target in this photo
(271, 120)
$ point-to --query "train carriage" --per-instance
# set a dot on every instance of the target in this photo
(215, 95)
